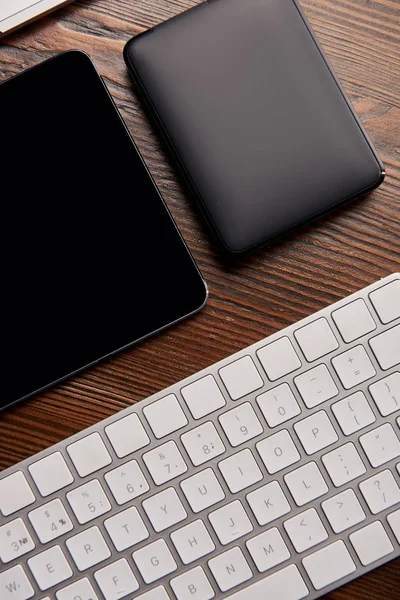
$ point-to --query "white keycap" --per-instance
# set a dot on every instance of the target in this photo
(202, 490)
(386, 394)
(279, 358)
(165, 463)
(316, 339)
(240, 471)
(126, 482)
(165, 416)
(343, 511)
(116, 580)
(192, 585)
(157, 593)
(380, 445)
(353, 413)
(88, 501)
(380, 491)
(50, 521)
(268, 503)
(203, 397)
(89, 454)
(164, 509)
(240, 424)
(127, 435)
(306, 484)
(230, 569)
(154, 561)
(88, 548)
(192, 541)
(353, 320)
(316, 386)
(386, 301)
(278, 405)
(230, 522)
(316, 432)
(371, 543)
(278, 451)
(305, 530)
(268, 549)
(241, 377)
(343, 464)
(386, 348)
(50, 568)
(329, 564)
(15, 540)
(286, 584)
(394, 522)
(126, 529)
(203, 443)
(353, 367)
(14, 585)
(80, 590)
(15, 493)
(51, 473)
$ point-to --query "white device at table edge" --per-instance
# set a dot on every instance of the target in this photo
(15, 13)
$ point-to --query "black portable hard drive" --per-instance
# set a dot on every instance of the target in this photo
(254, 115)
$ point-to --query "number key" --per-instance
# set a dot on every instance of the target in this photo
(127, 482)
(241, 424)
(50, 521)
(14, 540)
(203, 443)
(88, 501)
(165, 463)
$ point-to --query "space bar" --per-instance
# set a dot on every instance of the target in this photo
(286, 584)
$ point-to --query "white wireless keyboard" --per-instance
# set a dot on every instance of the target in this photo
(273, 474)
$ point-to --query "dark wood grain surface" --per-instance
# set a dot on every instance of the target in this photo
(251, 296)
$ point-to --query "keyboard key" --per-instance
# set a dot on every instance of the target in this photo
(278, 405)
(343, 511)
(316, 386)
(394, 522)
(15, 493)
(14, 585)
(328, 565)
(126, 529)
(203, 397)
(306, 484)
(50, 521)
(192, 585)
(268, 503)
(278, 451)
(286, 584)
(126, 482)
(50, 568)
(316, 339)
(203, 443)
(164, 509)
(386, 301)
(230, 522)
(279, 358)
(154, 561)
(380, 491)
(230, 569)
(353, 367)
(127, 435)
(316, 432)
(241, 377)
(192, 542)
(386, 394)
(165, 416)
(353, 413)
(88, 548)
(165, 463)
(116, 580)
(15, 540)
(240, 424)
(343, 464)
(51, 474)
(89, 454)
(353, 320)
(371, 543)
(268, 549)
(157, 593)
(380, 445)
(386, 348)
(202, 490)
(305, 530)
(80, 590)
(240, 471)
(88, 501)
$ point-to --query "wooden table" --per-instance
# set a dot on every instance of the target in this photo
(250, 296)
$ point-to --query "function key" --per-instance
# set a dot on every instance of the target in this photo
(165, 416)
(316, 339)
(241, 377)
(386, 301)
(51, 474)
(127, 435)
(386, 347)
(15, 493)
(89, 454)
(353, 320)
(279, 358)
(203, 397)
